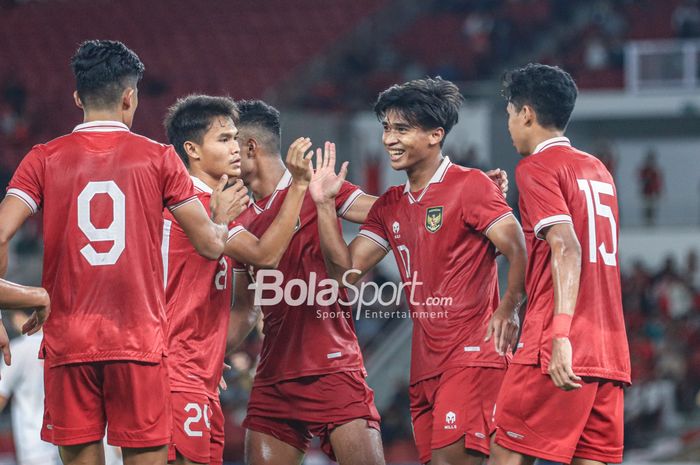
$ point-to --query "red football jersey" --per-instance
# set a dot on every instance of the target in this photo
(438, 235)
(198, 306)
(559, 184)
(103, 190)
(298, 341)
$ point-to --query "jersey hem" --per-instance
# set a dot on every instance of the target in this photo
(432, 374)
(112, 356)
(314, 372)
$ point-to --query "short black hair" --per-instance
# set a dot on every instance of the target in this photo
(425, 103)
(189, 118)
(549, 90)
(103, 69)
(265, 119)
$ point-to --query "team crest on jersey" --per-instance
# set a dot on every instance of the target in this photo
(433, 219)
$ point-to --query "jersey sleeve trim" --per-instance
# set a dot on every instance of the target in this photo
(174, 207)
(377, 239)
(497, 220)
(348, 203)
(233, 232)
(24, 197)
(549, 221)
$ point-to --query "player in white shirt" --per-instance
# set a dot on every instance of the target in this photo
(24, 382)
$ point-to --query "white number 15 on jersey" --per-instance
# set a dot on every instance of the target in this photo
(594, 205)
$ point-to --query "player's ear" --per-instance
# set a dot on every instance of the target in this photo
(251, 147)
(436, 136)
(76, 99)
(528, 115)
(128, 98)
(192, 150)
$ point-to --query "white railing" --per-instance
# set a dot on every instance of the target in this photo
(662, 65)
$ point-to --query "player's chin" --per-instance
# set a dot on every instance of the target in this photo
(399, 164)
(234, 171)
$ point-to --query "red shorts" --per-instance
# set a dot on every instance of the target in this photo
(198, 428)
(295, 410)
(537, 419)
(458, 403)
(131, 399)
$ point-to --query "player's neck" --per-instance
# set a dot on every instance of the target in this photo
(270, 173)
(540, 135)
(103, 115)
(419, 175)
(205, 177)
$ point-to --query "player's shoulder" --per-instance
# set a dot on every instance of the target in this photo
(392, 195)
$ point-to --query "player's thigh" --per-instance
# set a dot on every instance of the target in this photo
(357, 442)
(265, 449)
(137, 404)
(74, 405)
(157, 455)
(83, 454)
(502, 456)
(456, 454)
(191, 433)
(602, 439)
(535, 418)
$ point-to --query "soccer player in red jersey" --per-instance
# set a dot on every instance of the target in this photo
(562, 397)
(444, 226)
(203, 130)
(103, 190)
(311, 376)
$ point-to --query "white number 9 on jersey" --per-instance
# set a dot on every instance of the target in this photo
(116, 232)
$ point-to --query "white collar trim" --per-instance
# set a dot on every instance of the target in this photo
(201, 185)
(284, 183)
(101, 126)
(553, 142)
(437, 177)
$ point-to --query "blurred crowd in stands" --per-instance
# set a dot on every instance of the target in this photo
(477, 40)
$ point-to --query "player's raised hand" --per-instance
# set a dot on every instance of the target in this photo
(5, 345)
(228, 202)
(299, 161)
(500, 177)
(36, 320)
(560, 366)
(503, 328)
(325, 183)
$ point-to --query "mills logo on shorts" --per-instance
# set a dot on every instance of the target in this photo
(450, 420)
(433, 219)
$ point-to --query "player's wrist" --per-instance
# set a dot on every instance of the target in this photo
(299, 184)
(561, 325)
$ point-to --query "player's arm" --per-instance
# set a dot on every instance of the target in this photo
(363, 254)
(17, 297)
(566, 273)
(13, 213)
(208, 235)
(507, 236)
(244, 313)
(267, 251)
(357, 213)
